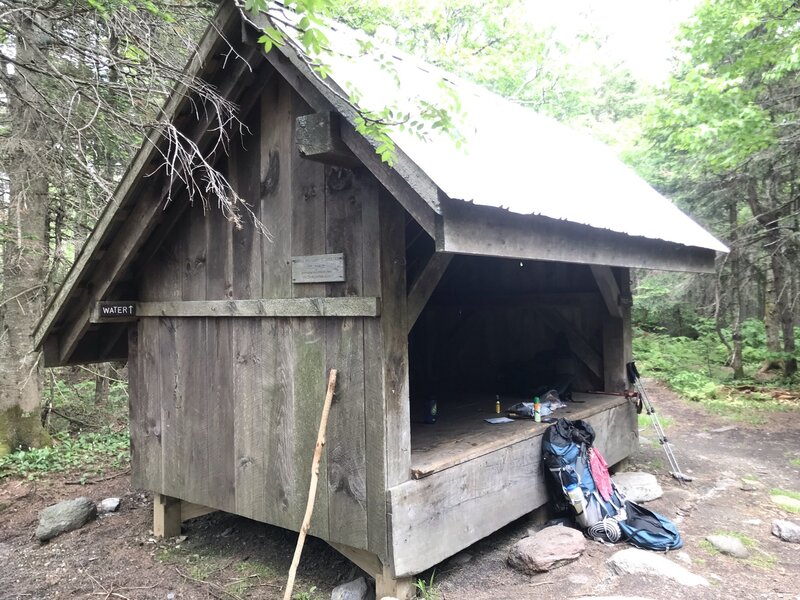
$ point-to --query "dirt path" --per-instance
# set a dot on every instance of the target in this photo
(229, 557)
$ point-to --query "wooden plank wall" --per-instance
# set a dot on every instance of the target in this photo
(492, 316)
(226, 410)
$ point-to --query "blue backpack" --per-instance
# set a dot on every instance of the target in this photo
(648, 530)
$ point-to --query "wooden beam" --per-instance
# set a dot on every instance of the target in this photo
(409, 184)
(423, 287)
(386, 585)
(317, 137)
(137, 170)
(577, 343)
(609, 289)
(471, 229)
(345, 306)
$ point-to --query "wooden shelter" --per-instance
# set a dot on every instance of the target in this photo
(410, 292)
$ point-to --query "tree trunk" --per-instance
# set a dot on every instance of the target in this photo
(736, 293)
(101, 385)
(771, 324)
(783, 303)
(24, 257)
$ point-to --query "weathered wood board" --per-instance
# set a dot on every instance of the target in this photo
(477, 497)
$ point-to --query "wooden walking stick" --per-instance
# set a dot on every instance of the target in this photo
(312, 490)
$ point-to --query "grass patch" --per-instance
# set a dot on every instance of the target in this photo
(427, 590)
(646, 422)
(789, 507)
(85, 454)
(795, 462)
(310, 594)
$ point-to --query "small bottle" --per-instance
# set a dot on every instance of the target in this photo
(575, 497)
(537, 410)
(497, 404)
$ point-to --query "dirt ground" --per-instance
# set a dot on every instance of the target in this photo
(223, 556)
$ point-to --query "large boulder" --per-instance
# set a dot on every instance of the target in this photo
(641, 562)
(638, 487)
(786, 530)
(550, 548)
(65, 516)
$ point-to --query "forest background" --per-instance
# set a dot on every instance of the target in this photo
(82, 81)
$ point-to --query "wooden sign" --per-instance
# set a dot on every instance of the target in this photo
(318, 268)
(116, 310)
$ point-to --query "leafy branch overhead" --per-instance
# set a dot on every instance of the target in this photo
(306, 28)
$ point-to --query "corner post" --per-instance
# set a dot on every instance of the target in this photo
(166, 516)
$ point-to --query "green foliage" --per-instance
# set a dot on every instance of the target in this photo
(427, 591)
(310, 594)
(697, 370)
(659, 305)
(85, 454)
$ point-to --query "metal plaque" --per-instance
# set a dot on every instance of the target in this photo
(318, 268)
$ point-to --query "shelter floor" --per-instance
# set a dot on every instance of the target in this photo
(461, 432)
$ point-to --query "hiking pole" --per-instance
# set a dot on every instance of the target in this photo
(675, 470)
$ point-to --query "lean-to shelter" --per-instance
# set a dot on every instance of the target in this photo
(457, 275)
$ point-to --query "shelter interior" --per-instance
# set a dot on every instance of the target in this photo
(498, 330)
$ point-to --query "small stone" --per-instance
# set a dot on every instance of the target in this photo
(354, 590)
(751, 485)
(641, 562)
(171, 596)
(638, 487)
(753, 522)
(388, 598)
(227, 532)
(786, 530)
(723, 429)
(727, 544)
(108, 505)
(65, 516)
(180, 539)
(787, 502)
(684, 558)
(550, 548)
(578, 579)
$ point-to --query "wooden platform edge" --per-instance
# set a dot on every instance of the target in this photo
(423, 471)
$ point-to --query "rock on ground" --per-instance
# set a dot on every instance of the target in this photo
(638, 487)
(550, 548)
(727, 544)
(109, 505)
(65, 516)
(786, 530)
(354, 590)
(641, 562)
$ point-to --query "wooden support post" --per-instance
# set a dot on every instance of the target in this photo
(604, 276)
(385, 582)
(386, 585)
(423, 287)
(166, 516)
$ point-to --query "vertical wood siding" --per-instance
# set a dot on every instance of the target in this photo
(225, 411)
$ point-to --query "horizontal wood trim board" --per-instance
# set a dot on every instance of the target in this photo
(488, 231)
(290, 307)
